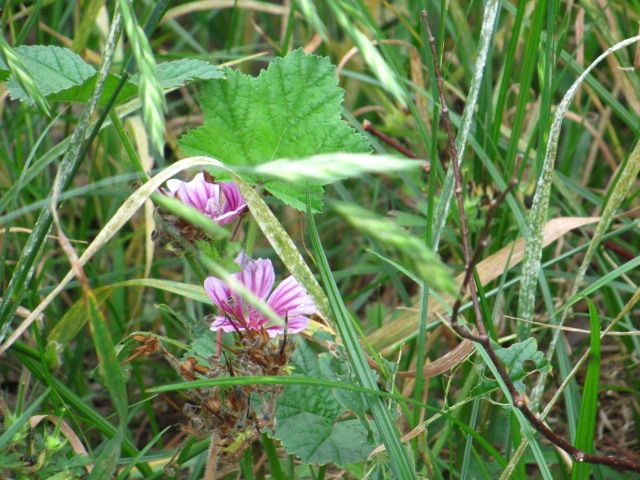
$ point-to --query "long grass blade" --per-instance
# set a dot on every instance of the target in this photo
(399, 459)
(68, 168)
(589, 405)
(540, 207)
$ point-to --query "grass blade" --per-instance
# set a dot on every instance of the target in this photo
(329, 168)
(589, 406)
(22, 76)
(414, 254)
(540, 207)
(150, 90)
(109, 365)
(488, 26)
(68, 168)
(405, 326)
(107, 461)
(400, 463)
(284, 246)
(22, 420)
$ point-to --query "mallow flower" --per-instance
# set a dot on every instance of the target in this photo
(289, 300)
(222, 202)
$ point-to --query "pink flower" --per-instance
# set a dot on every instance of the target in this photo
(289, 300)
(220, 201)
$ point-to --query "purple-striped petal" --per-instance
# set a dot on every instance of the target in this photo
(225, 324)
(233, 205)
(228, 302)
(229, 217)
(217, 290)
(294, 325)
(232, 197)
(201, 194)
(291, 300)
(257, 275)
(222, 202)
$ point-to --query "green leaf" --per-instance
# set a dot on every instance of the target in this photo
(291, 110)
(311, 432)
(180, 72)
(522, 358)
(55, 68)
(107, 462)
(69, 326)
(311, 422)
(64, 76)
(110, 368)
(414, 255)
(22, 77)
(82, 93)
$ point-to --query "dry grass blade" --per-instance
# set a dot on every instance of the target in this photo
(405, 327)
(444, 363)
(3, 231)
(25, 312)
(119, 219)
(205, 5)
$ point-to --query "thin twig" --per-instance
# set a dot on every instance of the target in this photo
(456, 172)
(520, 400)
(392, 142)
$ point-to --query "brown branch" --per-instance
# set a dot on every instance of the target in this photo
(392, 142)
(456, 173)
(519, 399)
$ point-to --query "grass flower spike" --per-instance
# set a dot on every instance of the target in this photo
(289, 300)
(220, 201)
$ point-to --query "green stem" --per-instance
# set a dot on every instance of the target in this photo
(272, 458)
(250, 240)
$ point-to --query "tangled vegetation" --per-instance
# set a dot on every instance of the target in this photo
(340, 239)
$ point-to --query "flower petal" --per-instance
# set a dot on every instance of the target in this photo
(294, 325)
(233, 199)
(290, 300)
(233, 205)
(224, 324)
(217, 290)
(257, 275)
(201, 194)
(174, 185)
(229, 217)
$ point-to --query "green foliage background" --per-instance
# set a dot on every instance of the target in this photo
(233, 81)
